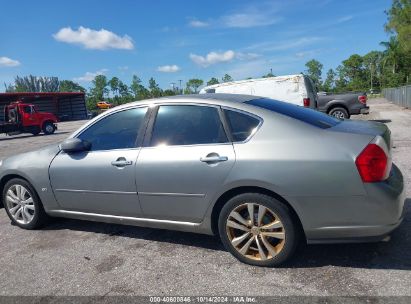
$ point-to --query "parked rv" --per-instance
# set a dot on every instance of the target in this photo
(296, 89)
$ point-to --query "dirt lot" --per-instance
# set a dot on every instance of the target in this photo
(71, 257)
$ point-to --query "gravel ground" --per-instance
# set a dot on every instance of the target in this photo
(70, 257)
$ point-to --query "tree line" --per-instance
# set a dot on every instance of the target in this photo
(113, 90)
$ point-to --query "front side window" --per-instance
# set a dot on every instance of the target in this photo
(187, 125)
(27, 109)
(116, 131)
(242, 125)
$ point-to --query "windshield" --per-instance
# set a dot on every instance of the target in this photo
(312, 117)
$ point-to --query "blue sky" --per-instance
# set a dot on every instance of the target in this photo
(173, 40)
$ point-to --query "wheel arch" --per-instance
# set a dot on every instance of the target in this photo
(5, 179)
(46, 121)
(226, 196)
(337, 104)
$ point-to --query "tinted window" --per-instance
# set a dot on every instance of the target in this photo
(187, 125)
(241, 125)
(309, 116)
(27, 109)
(116, 131)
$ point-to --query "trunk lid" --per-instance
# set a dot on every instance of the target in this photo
(366, 128)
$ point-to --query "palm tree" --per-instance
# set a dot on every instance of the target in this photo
(392, 52)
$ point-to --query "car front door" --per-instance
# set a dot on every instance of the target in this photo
(186, 157)
(29, 116)
(102, 180)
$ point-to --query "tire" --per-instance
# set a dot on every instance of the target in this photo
(38, 216)
(285, 233)
(339, 113)
(35, 132)
(48, 128)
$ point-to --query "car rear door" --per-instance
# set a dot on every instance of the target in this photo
(102, 180)
(186, 158)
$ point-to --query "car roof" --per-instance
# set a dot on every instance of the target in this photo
(218, 96)
(210, 98)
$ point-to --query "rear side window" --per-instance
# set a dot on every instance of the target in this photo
(187, 125)
(116, 131)
(242, 125)
(309, 116)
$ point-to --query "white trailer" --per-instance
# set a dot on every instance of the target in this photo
(296, 89)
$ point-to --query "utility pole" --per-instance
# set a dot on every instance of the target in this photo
(271, 71)
(173, 84)
(371, 76)
(181, 89)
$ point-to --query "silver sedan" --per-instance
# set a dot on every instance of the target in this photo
(262, 174)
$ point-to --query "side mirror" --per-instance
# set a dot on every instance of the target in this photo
(71, 145)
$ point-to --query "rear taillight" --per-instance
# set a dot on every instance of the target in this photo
(362, 99)
(372, 164)
(306, 102)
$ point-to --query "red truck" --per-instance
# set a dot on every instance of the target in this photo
(20, 117)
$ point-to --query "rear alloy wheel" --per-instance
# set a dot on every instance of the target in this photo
(340, 113)
(48, 128)
(23, 205)
(258, 229)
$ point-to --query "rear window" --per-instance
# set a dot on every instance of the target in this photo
(312, 117)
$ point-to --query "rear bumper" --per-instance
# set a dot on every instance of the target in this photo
(356, 234)
(362, 218)
(365, 110)
(359, 109)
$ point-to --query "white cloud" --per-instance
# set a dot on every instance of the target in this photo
(246, 20)
(89, 76)
(308, 53)
(212, 58)
(257, 14)
(8, 62)
(243, 70)
(345, 19)
(168, 68)
(123, 68)
(198, 23)
(92, 39)
(253, 15)
(284, 45)
(247, 56)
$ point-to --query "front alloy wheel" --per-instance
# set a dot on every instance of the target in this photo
(22, 204)
(258, 229)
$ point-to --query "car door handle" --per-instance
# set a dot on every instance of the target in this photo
(121, 162)
(213, 159)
